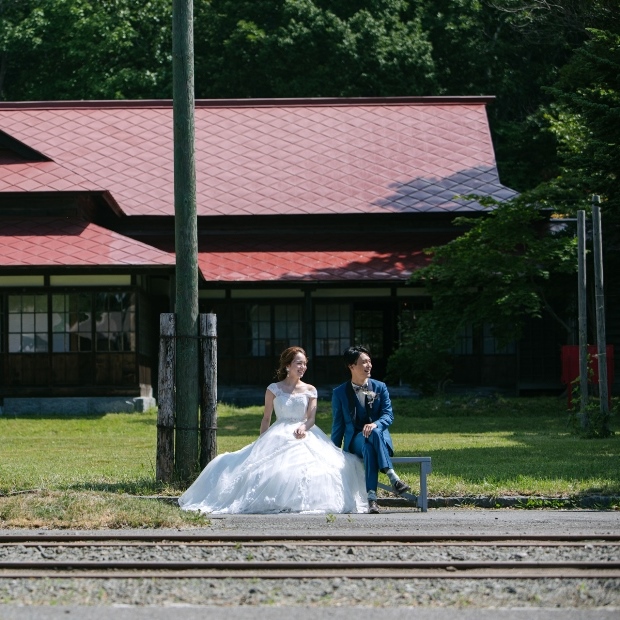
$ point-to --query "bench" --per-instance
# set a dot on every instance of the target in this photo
(421, 500)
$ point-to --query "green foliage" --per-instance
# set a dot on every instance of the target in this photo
(78, 49)
(503, 269)
(301, 48)
(590, 422)
(423, 358)
(586, 123)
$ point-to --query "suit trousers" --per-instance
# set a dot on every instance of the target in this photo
(375, 453)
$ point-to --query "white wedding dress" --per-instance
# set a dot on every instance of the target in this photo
(279, 473)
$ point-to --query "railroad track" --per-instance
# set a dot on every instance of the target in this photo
(181, 556)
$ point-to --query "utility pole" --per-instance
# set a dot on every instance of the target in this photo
(583, 318)
(186, 241)
(601, 343)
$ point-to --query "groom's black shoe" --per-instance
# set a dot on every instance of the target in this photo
(400, 487)
(373, 507)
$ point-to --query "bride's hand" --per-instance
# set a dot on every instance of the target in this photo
(300, 432)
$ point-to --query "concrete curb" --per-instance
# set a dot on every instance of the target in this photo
(512, 501)
(598, 502)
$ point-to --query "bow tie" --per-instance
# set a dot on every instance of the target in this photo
(362, 388)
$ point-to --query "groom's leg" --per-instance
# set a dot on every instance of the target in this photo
(384, 462)
(380, 447)
(366, 451)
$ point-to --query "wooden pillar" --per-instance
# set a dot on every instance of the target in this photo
(164, 469)
(208, 406)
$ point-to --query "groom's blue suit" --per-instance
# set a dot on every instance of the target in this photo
(348, 419)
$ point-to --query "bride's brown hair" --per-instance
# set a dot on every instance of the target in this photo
(287, 356)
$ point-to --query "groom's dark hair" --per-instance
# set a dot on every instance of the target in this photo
(352, 353)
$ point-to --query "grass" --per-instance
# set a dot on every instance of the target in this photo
(91, 471)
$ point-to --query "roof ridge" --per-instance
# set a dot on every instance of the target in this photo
(245, 103)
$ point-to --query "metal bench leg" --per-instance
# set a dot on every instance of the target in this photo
(423, 498)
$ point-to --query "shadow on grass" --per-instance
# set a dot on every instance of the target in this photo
(140, 486)
(54, 416)
(526, 464)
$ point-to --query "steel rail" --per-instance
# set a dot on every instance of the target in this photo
(397, 569)
(235, 565)
(319, 537)
(306, 543)
(300, 570)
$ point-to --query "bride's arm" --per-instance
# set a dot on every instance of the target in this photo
(266, 421)
(310, 419)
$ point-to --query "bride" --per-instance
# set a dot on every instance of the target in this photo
(292, 467)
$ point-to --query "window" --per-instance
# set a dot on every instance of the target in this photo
(115, 321)
(287, 327)
(369, 330)
(72, 323)
(263, 330)
(490, 345)
(260, 326)
(27, 324)
(332, 329)
(464, 344)
(470, 341)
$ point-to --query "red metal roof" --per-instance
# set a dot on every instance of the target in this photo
(380, 257)
(315, 156)
(49, 241)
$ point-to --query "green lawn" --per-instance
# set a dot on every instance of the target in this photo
(479, 446)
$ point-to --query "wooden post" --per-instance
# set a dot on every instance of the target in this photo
(600, 307)
(208, 406)
(164, 469)
(186, 241)
(583, 317)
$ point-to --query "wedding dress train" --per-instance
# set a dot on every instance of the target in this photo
(280, 473)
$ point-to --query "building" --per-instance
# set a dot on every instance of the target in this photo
(312, 214)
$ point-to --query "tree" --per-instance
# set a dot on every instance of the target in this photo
(585, 120)
(503, 269)
(78, 49)
(306, 48)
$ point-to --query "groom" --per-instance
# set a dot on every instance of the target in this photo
(362, 412)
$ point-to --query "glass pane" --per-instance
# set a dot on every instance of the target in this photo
(15, 303)
(27, 303)
(129, 322)
(40, 303)
(116, 341)
(115, 321)
(40, 322)
(58, 303)
(333, 329)
(101, 302)
(15, 343)
(27, 343)
(41, 342)
(58, 322)
(103, 322)
(28, 322)
(85, 322)
(15, 323)
(83, 302)
(60, 343)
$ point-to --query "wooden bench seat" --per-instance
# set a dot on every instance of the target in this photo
(425, 469)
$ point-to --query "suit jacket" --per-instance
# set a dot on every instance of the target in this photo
(346, 405)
